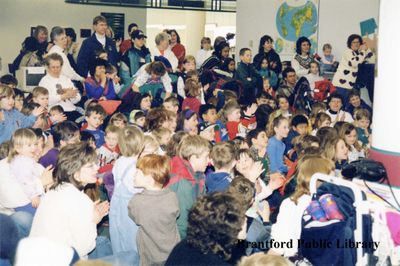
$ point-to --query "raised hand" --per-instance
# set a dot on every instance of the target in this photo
(251, 110)
(101, 209)
(275, 181)
(254, 172)
(59, 117)
(38, 111)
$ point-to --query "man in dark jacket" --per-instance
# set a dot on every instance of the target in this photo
(98, 41)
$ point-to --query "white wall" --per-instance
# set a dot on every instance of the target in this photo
(18, 16)
(337, 20)
(340, 18)
(219, 24)
(189, 25)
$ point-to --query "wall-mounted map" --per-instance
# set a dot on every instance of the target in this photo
(296, 18)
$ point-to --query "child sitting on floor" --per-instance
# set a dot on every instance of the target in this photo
(223, 158)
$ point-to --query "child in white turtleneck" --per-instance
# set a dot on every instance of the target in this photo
(314, 74)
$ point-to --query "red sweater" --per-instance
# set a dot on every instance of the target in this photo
(180, 53)
(233, 126)
(125, 46)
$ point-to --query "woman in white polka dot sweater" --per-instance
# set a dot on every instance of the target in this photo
(346, 74)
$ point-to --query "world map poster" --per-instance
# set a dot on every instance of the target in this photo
(295, 18)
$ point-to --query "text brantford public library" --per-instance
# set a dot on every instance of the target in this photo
(322, 243)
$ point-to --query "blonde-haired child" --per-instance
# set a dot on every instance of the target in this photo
(25, 168)
(193, 92)
(151, 145)
(122, 229)
(288, 224)
(156, 237)
(10, 118)
(163, 136)
(189, 64)
(40, 95)
(348, 132)
(278, 130)
(172, 119)
(119, 120)
(258, 259)
(187, 175)
(321, 120)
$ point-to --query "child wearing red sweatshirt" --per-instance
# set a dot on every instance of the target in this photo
(236, 124)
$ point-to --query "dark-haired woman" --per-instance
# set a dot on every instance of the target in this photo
(176, 47)
(347, 72)
(302, 59)
(221, 52)
(216, 222)
(265, 49)
(98, 86)
(67, 215)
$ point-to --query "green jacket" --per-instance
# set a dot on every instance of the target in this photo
(131, 61)
(188, 186)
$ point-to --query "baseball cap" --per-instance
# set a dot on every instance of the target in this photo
(138, 34)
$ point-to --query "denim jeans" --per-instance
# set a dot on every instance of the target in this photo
(103, 248)
(257, 232)
(23, 221)
(5, 262)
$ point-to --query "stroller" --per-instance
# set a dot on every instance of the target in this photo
(350, 236)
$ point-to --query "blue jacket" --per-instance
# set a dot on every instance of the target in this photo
(87, 53)
(288, 141)
(275, 150)
(98, 136)
(132, 60)
(96, 91)
(217, 182)
(13, 120)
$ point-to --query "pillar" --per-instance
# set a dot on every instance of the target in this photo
(386, 120)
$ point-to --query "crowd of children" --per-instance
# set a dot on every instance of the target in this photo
(165, 138)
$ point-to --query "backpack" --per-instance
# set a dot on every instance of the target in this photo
(338, 232)
(323, 89)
